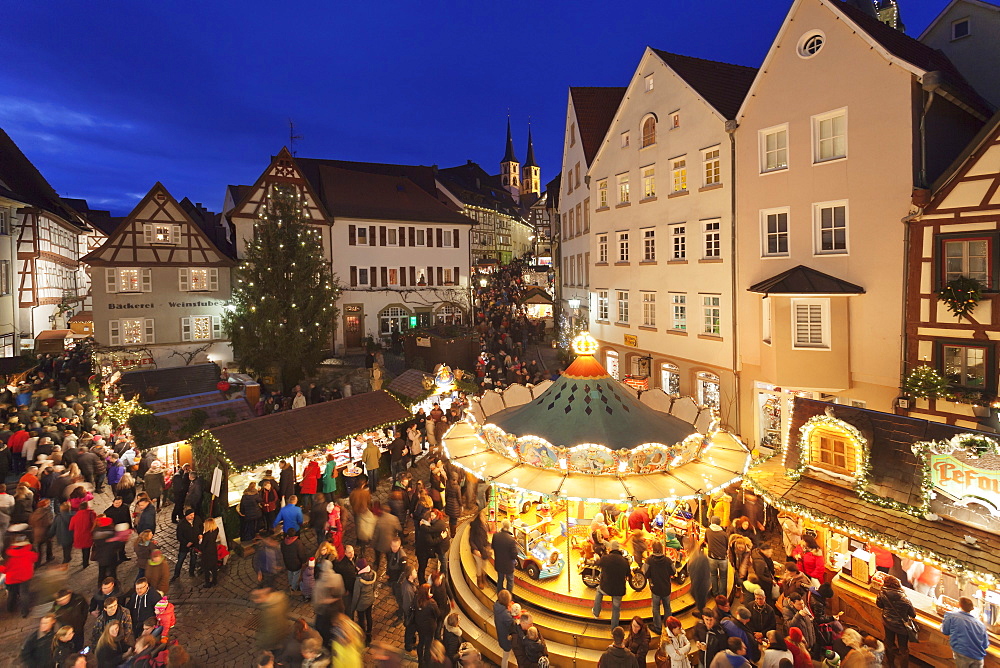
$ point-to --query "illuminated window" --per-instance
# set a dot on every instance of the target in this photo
(161, 233)
(832, 449)
(130, 332)
(129, 280)
(649, 309)
(965, 366)
(602, 188)
(393, 319)
(709, 389)
(200, 328)
(713, 172)
(649, 131)
(448, 314)
(648, 182)
(602, 248)
(679, 175)
(199, 279)
(623, 192)
(649, 83)
(611, 363)
(670, 378)
(602, 304)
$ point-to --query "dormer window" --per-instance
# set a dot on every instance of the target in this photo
(161, 234)
(832, 445)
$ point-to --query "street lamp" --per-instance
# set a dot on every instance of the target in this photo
(482, 282)
(574, 304)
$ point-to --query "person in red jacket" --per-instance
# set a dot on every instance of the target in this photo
(16, 445)
(82, 526)
(19, 566)
(310, 480)
(812, 562)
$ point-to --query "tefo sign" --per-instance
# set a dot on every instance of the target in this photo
(960, 480)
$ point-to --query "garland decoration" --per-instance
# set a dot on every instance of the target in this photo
(961, 295)
(118, 412)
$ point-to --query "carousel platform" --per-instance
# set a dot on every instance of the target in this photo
(560, 607)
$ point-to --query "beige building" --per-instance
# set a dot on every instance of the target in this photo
(844, 119)
(968, 32)
(161, 286)
(661, 194)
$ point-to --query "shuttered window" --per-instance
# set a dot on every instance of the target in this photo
(810, 326)
(201, 328)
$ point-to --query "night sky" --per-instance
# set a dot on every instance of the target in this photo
(106, 98)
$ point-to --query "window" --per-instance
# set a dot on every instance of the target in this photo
(830, 448)
(130, 332)
(4, 222)
(621, 297)
(577, 229)
(831, 228)
(648, 182)
(774, 149)
(679, 242)
(713, 171)
(765, 319)
(586, 270)
(586, 215)
(623, 189)
(830, 136)
(624, 140)
(393, 319)
(713, 315)
(576, 171)
(965, 366)
(198, 279)
(961, 28)
(679, 175)
(570, 224)
(160, 233)
(5, 277)
(363, 235)
(623, 246)
(675, 120)
(569, 181)
(446, 238)
(713, 241)
(602, 189)
(649, 83)
(602, 304)
(602, 248)
(448, 314)
(201, 328)
(811, 43)
(810, 326)
(649, 309)
(362, 276)
(393, 276)
(709, 389)
(774, 233)
(670, 378)
(128, 280)
(391, 236)
(678, 312)
(649, 245)
(611, 363)
(572, 134)
(649, 131)
(970, 257)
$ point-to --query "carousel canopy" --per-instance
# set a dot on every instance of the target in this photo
(586, 405)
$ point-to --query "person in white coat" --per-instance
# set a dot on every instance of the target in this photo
(674, 646)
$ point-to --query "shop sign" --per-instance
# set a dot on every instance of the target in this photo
(962, 481)
(632, 340)
(423, 341)
(352, 308)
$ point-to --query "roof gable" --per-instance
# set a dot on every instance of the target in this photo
(283, 170)
(595, 109)
(187, 244)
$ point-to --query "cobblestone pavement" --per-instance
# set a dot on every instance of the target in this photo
(217, 626)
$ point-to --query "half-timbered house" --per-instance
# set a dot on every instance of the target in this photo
(161, 285)
(957, 237)
(398, 245)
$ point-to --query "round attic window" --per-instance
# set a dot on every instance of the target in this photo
(811, 43)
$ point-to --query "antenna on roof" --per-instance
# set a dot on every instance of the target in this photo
(292, 136)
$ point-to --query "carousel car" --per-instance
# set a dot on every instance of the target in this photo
(535, 553)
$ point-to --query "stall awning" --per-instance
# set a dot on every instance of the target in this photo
(282, 434)
(53, 334)
(843, 510)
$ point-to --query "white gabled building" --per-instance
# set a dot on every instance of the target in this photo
(161, 284)
(399, 246)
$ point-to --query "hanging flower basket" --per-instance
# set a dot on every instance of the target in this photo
(961, 295)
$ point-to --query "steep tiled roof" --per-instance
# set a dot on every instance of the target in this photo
(351, 193)
(471, 184)
(21, 181)
(595, 110)
(915, 52)
(99, 218)
(422, 175)
(723, 85)
(211, 224)
(802, 280)
(281, 434)
(410, 383)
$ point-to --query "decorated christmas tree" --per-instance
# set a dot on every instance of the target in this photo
(924, 382)
(285, 296)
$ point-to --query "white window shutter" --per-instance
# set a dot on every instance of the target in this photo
(147, 280)
(185, 283)
(111, 276)
(115, 333)
(216, 327)
(185, 329)
(149, 331)
(213, 279)
(175, 234)
(147, 234)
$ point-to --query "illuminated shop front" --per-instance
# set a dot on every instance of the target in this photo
(889, 494)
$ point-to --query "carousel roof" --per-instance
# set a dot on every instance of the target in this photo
(586, 405)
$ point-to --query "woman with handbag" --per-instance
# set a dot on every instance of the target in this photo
(897, 619)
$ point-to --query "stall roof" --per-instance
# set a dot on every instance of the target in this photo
(410, 383)
(535, 295)
(288, 432)
(50, 334)
(171, 382)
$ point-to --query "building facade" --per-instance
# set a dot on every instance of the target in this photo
(161, 287)
(660, 219)
(399, 246)
(829, 149)
(968, 31)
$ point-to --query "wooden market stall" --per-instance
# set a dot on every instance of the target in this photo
(923, 493)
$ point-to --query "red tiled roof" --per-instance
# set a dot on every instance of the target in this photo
(281, 434)
(723, 85)
(595, 110)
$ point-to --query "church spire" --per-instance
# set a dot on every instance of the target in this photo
(509, 155)
(531, 181)
(531, 152)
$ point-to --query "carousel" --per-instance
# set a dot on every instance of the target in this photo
(570, 461)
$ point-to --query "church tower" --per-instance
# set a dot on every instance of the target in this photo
(510, 168)
(531, 183)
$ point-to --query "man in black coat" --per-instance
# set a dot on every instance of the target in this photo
(179, 488)
(141, 603)
(187, 539)
(763, 568)
(504, 556)
(614, 572)
(345, 566)
(196, 491)
(659, 569)
(286, 481)
(70, 609)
